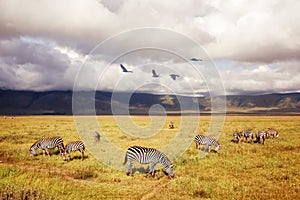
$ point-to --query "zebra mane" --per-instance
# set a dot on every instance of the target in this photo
(36, 144)
(169, 163)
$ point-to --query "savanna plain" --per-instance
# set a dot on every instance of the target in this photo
(239, 171)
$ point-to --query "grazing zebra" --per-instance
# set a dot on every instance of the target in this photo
(97, 136)
(261, 137)
(207, 141)
(272, 132)
(171, 125)
(237, 136)
(147, 156)
(47, 143)
(248, 134)
(73, 146)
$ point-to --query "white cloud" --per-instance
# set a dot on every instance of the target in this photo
(262, 78)
(43, 44)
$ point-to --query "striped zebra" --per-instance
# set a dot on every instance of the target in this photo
(237, 136)
(207, 141)
(272, 132)
(47, 143)
(248, 134)
(261, 137)
(73, 146)
(147, 156)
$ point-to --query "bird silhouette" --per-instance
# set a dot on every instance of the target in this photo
(174, 76)
(124, 69)
(196, 59)
(154, 74)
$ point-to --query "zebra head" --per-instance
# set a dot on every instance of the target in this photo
(170, 171)
(34, 147)
(32, 151)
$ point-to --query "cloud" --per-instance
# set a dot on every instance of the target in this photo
(44, 44)
(260, 32)
(27, 65)
(262, 78)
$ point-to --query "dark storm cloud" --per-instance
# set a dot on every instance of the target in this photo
(30, 65)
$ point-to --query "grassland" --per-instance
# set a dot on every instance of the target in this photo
(238, 171)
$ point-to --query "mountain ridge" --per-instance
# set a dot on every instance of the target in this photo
(14, 102)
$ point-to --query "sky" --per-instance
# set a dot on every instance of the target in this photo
(247, 47)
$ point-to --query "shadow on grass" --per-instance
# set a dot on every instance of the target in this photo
(201, 194)
(145, 171)
(78, 157)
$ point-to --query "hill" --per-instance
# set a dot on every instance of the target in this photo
(60, 103)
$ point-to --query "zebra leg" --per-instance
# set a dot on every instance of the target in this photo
(61, 150)
(69, 155)
(47, 152)
(151, 168)
(206, 148)
(209, 148)
(64, 156)
(82, 155)
(44, 152)
(129, 168)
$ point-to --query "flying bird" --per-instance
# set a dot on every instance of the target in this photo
(196, 59)
(154, 74)
(124, 68)
(173, 76)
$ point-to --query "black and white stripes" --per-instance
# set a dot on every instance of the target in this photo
(147, 156)
(272, 133)
(237, 136)
(51, 143)
(261, 135)
(206, 141)
(47, 143)
(74, 146)
(248, 134)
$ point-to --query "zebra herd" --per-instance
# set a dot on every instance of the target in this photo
(152, 156)
(261, 136)
(146, 155)
(51, 143)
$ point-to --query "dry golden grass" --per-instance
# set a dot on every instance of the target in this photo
(238, 171)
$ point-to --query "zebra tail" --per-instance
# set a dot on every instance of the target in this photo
(125, 160)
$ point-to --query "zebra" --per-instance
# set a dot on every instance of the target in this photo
(261, 137)
(73, 146)
(97, 136)
(237, 136)
(208, 141)
(47, 143)
(271, 132)
(147, 156)
(248, 134)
